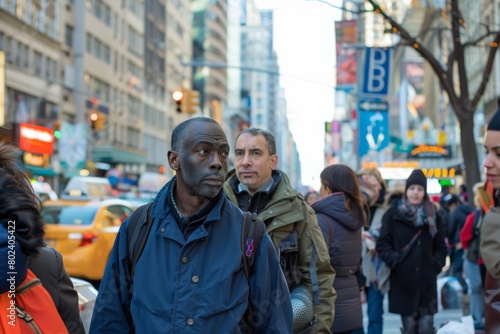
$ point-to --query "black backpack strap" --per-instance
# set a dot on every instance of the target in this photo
(137, 234)
(251, 235)
(252, 231)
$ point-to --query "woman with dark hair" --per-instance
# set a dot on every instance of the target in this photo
(341, 212)
(411, 243)
(20, 218)
(490, 229)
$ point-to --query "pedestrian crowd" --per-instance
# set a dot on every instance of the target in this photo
(242, 251)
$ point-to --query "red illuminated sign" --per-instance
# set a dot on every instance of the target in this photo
(36, 139)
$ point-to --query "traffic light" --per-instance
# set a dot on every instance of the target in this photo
(57, 130)
(178, 97)
(98, 121)
(93, 119)
(192, 101)
(187, 100)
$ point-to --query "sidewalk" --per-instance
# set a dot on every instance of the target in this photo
(392, 322)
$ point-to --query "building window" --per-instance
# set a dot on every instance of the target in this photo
(38, 63)
(98, 49)
(2, 41)
(20, 55)
(27, 52)
(135, 42)
(10, 54)
(68, 36)
(136, 7)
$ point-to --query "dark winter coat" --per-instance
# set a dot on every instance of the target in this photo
(342, 235)
(413, 279)
(48, 267)
(456, 222)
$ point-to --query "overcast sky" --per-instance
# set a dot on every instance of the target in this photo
(305, 43)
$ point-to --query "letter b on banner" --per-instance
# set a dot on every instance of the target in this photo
(377, 72)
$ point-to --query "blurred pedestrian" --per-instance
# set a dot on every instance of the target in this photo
(412, 244)
(490, 230)
(20, 218)
(257, 185)
(373, 267)
(190, 277)
(341, 213)
(463, 194)
(469, 238)
(311, 197)
(458, 213)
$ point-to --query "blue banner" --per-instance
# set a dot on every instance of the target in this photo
(377, 72)
(373, 131)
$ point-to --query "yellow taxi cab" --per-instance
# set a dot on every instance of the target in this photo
(84, 232)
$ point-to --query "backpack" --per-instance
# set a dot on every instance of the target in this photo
(140, 224)
(30, 309)
(472, 252)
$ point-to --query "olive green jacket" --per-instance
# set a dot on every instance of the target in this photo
(285, 208)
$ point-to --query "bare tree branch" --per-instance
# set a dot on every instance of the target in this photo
(487, 71)
(450, 66)
(458, 48)
(481, 38)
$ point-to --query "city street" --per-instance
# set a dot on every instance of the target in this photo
(392, 322)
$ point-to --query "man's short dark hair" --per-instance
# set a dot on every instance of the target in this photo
(270, 142)
(180, 131)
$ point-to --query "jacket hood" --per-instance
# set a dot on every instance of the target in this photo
(333, 206)
(392, 198)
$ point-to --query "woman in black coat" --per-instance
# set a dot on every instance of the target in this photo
(412, 244)
(341, 213)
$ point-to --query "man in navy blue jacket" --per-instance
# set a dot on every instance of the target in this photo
(190, 278)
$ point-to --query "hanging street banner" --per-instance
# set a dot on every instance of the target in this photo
(347, 63)
(373, 131)
(376, 80)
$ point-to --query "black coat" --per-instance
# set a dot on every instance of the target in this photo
(49, 269)
(413, 280)
(342, 235)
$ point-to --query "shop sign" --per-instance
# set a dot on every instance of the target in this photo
(34, 159)
(36, 139)
(438, 173)
(430, 151)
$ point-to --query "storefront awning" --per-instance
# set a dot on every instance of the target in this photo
(116, 155)
(39, 171)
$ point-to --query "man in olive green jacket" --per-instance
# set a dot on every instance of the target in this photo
(257, 186)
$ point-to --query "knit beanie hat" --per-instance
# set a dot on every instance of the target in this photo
(494, 123)
(416, 177)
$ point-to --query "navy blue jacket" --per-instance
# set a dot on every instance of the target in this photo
(196, 285)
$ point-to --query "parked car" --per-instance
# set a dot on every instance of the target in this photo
(87, 295)
(84, 232)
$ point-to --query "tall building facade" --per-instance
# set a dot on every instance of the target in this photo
(131, 62)
(113, 75)
(30, 46)
(209, 38)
